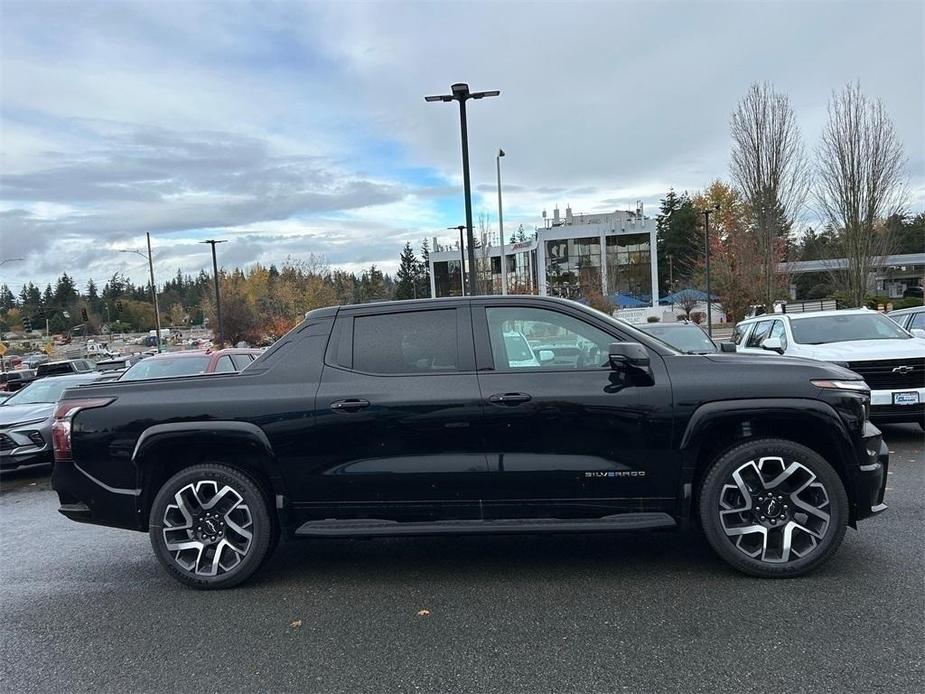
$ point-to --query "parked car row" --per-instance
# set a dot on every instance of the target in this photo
(25, 414)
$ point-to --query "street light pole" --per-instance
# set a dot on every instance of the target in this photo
(706, 253)
(462, 259)
(218, 296)
(157, 311)
(501, 225)
(460, 92)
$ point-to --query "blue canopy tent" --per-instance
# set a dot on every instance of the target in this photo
(626, 301)
(684, 295)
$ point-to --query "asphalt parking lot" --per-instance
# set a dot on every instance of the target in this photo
(86, 608)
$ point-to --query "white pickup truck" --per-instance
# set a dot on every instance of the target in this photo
(891, 360)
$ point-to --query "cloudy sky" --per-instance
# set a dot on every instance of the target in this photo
(294, 128)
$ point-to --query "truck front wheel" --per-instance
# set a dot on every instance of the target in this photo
(210, 526)
(773, 508)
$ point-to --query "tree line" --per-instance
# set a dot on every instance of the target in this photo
(853, 180)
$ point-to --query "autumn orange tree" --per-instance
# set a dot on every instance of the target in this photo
(738, 261)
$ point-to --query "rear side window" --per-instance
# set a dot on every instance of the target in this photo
(241, 361)
(224, 365)
(759, 333)
(402, 343)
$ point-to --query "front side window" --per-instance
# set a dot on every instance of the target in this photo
(406, 343)
(780, 332)
(536, 338)
(918, 321)
(759, 333)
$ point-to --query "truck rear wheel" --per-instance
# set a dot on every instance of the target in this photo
(210, 526)
(773, 508)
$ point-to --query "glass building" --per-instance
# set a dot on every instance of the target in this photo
(581, 257)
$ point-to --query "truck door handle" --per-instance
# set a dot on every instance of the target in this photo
(509, 398)
(352, 405)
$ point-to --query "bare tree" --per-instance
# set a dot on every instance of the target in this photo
(770, 169)
(860, 171)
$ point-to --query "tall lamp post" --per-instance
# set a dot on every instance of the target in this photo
(461, 93)
(501, 225)
(218, 295)
(706, 255)
(462, 259)
(157, 312)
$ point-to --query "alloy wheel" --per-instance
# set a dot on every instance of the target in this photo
(208, 528)
(774, 511)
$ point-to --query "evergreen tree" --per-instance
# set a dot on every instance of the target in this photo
(7, 299)
(407, 274)
(65, 291)
(678, 241)
(424, 271)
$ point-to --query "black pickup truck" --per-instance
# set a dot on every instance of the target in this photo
(474, 415)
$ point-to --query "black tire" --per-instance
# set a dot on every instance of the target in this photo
(249, 554)
(781, 562)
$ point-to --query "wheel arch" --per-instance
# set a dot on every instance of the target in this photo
(716, 427)
(165, 449)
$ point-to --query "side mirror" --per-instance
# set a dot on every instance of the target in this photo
(625, 355)
(773, 344)
(918, 332)
(727, 346)
(545, 355)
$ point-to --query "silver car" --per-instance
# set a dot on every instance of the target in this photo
(26, 417)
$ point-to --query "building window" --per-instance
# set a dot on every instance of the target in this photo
(629, 271)
(447, 281)
(573, 267)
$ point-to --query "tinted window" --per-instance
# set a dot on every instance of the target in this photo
(224, 365)
(759, 333)
(845, 328)
(155, 367)
(525, 338)
(918, 321)
(54, 369)
(414, 342)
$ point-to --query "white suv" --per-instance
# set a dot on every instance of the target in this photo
(889, 358)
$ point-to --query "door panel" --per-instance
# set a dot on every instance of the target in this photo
(586, 442)
(405, 443)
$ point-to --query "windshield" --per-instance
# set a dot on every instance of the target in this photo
(45, 390)
(688, 338)
(165, 368)
(845, 328)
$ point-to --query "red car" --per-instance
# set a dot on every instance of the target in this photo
(190, 363)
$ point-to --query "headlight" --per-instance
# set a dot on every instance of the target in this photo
(855, 386)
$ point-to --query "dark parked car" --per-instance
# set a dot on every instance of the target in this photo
(685, 337)
(190, 363)
(11, 381)
(26, 417)
(411, 418)
(65, 366)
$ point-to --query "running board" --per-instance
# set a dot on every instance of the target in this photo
(372, 527)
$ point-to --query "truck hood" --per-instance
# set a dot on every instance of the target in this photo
(773, 361)
(10, 415)
(865, 350)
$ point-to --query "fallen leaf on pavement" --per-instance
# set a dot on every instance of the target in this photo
(296, 624)
(423, 613)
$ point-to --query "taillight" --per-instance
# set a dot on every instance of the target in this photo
(61, 427)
